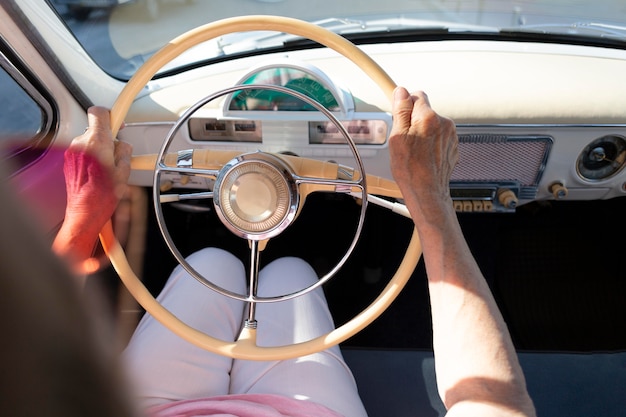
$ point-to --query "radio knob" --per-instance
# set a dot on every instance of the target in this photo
(558, 190)
(507, 198)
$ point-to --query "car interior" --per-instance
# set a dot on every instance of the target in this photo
(540, 111)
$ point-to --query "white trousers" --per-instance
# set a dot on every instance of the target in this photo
(164, 367)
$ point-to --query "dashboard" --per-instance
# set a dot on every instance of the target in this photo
(510, 152)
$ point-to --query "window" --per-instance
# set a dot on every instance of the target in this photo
(25, 118)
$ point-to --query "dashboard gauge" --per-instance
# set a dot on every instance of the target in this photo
(602, 158)
(292, 78)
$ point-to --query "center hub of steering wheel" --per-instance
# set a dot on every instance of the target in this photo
(256, 196)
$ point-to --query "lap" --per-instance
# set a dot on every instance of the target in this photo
(166, 367)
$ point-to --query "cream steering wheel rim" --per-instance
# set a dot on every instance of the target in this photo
(245, 347)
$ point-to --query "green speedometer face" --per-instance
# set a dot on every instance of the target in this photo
(292, 78)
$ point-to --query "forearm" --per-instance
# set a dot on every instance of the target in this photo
(475, 358)
(476, 363)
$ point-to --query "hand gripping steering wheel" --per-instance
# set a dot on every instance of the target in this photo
(245, 347)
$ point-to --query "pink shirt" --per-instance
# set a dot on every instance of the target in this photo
(243, 405)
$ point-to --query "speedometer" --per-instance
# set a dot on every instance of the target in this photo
(289, 77)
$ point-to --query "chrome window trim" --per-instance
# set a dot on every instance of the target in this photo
(44, 136)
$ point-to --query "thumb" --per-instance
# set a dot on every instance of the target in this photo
(402, 110)
(98, 118)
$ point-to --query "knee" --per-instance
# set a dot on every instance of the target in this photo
(286, 275)
(219, 267)
(213, 256)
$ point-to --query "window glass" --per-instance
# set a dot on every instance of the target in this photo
(21, 117)
(22, 123)
(114, 32)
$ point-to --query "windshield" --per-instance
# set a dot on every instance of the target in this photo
(121, 34)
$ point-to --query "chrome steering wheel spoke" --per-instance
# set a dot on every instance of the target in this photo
(331, 185)
(256, 195)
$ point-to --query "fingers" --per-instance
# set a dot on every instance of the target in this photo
(421, 108)
(98, 132)
(402, 110)
(122, 156)
(121, 172)
(408, 110)
(99, 120)
(98, 141)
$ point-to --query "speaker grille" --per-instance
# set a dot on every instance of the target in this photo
(501, 158)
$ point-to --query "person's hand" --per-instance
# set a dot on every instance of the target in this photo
(96, 169)
(423, 148)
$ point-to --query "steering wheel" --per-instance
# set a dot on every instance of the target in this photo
(245, 347)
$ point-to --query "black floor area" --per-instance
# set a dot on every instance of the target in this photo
(555, 268)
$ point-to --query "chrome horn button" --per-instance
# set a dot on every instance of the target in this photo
(256, 196)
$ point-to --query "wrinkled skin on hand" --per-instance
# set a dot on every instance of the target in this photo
(96, 169)
(423, 146)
